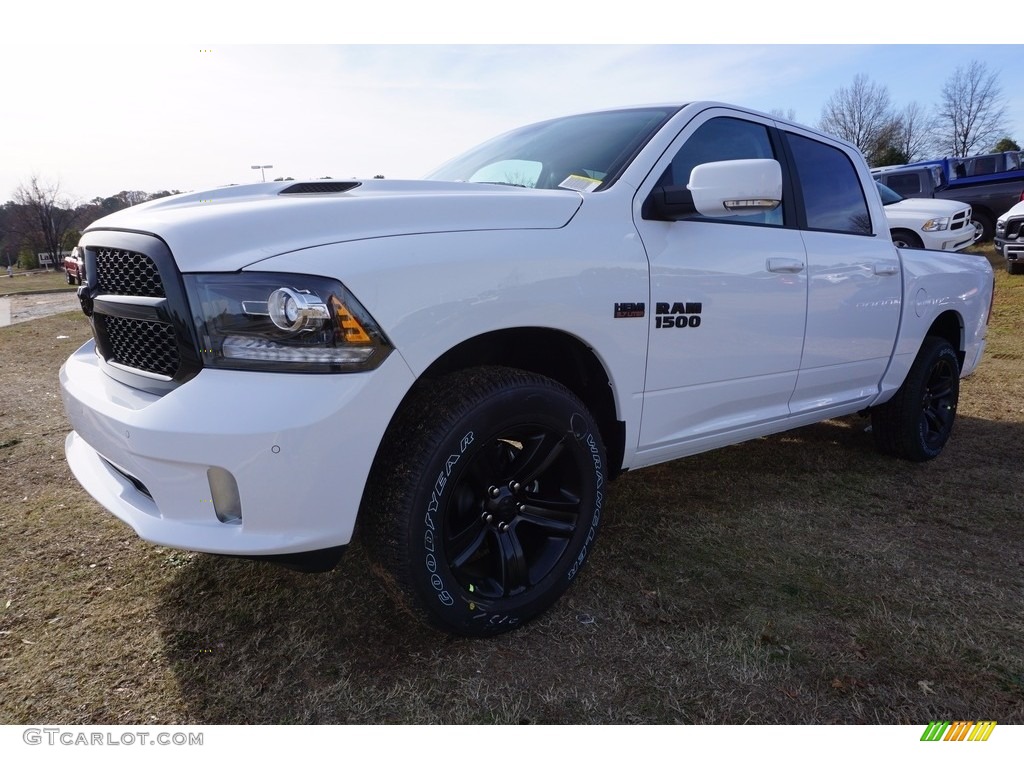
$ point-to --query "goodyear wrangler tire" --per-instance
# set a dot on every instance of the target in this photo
(485, 498)
(917, 422)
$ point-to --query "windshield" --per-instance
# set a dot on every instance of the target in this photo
(582, 152)
(888, 196)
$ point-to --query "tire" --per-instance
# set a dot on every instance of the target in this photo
(69, 278)
(983, 221)
(917, 422)
(903, 238)
(485, 498)
(1014, 267)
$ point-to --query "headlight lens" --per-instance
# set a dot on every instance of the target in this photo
(282, 322)
(936, 225)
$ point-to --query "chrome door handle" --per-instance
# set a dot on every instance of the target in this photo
(786, 266)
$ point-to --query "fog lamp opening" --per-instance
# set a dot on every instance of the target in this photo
(224, 492)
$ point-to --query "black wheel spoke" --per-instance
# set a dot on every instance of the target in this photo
(513, 569)
(555, 523)
(570, 503)
(941, 390)
(490, 465)
(936, 419)
(539, 453)
(465, 544)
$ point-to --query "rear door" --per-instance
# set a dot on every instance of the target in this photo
(854, 279)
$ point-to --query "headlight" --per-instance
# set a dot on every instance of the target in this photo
(282, 322)
(936, 225)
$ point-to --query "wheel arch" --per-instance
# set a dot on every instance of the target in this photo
(950, 326)
(903, 234)
(549, 352)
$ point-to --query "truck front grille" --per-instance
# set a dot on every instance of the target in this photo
(143, 345)
(961, 219)
(139, 310)
(125, 273)
(1013, 228)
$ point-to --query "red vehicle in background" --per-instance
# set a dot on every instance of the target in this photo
(74, 267)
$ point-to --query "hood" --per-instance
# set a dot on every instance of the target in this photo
(1016, 210)
(927, 207)
(230, 228)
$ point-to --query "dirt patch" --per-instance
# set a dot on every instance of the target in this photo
(20, 309)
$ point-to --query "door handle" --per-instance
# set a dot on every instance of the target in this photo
(887, 268)
(785, 266)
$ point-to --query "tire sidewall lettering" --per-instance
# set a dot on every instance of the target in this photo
(440, 583)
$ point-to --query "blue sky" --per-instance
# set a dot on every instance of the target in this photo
(191, 115)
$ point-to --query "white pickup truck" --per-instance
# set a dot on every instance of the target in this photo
(461, 364)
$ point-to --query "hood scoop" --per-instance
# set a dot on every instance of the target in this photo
(319, 187)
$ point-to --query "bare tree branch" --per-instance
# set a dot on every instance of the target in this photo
(862, 114)
(972, 111)
(48, 215)
(917, 125)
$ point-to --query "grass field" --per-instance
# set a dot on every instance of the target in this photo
(33, 282)
(801, 578)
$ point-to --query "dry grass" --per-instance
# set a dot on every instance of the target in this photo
(797, 579)
(33, 282)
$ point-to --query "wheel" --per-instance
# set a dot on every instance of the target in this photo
(983, 221)
(1014, 267)
(69, 278)
(903, 238)
(485, 498)
(917, 422)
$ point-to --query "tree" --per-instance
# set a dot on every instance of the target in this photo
(1006, 144)
(891, 156)
(972, 111)
(47, 216)
(788, 115)
(8, 235)
(862, 115)
(916, 126)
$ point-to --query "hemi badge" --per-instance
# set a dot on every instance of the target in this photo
(629, 309)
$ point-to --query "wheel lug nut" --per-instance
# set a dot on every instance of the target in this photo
(489, 518)
(514, 487)
(493, 492)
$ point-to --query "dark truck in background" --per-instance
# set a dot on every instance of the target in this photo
(990, 184)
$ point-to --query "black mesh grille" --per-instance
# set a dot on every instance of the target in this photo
(142, 344)
(319, 187)
(125, 273)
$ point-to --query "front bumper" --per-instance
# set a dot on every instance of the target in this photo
(951, 241)
(1012, 250)
(298, 446)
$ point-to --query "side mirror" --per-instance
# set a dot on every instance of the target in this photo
(735, 187)
(722, 188)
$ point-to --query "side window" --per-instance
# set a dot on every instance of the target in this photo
(724, 138)
(833, 197)
(907, 184)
